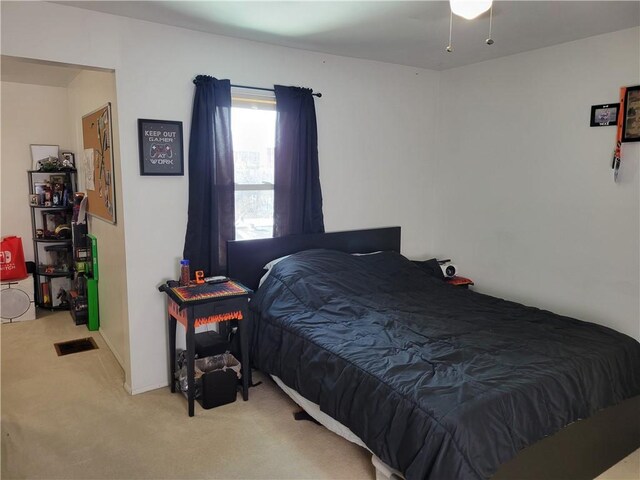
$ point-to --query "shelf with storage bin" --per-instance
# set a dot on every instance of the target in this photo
(54, 274)
(42, 207)
(51, 201)
(51, 240)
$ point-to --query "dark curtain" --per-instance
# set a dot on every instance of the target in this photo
(211, 220)
(297, 196)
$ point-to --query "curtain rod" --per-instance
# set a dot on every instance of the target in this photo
(269, 89)
(264, 89)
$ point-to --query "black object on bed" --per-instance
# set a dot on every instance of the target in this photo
(439, 382)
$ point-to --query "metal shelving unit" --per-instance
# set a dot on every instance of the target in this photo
(51, 195)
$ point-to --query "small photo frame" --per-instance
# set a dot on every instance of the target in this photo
(60, 179)
(34, 200)
(68, 160)
(631, 119)
(42, 152)
(604, 115)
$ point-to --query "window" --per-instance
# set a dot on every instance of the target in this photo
(253, 127)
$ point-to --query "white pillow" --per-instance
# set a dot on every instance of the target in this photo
(268, 268)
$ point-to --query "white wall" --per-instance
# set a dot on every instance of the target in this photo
(533, 211)
(89, 91)
(526, 203)
(30, 114)
(375, 127)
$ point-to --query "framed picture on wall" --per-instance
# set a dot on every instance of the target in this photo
(631, 119)
(160, 144)
(604, 115)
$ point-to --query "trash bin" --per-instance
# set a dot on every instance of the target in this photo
(216, 379)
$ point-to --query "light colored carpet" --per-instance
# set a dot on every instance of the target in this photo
(69, 417)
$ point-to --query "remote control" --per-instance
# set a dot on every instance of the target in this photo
(218, 279)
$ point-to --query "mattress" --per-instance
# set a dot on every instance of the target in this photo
(438, 382)
(383, 471)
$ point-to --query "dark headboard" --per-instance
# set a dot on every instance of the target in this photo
(247, 258)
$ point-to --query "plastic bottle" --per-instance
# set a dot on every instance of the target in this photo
(185, 275)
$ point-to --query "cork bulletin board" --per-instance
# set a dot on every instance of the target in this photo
(98, 164)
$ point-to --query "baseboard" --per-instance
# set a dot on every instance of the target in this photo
(113, 350)
(126, 386)
(146, 388)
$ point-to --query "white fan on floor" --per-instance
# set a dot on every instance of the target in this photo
(16, 301)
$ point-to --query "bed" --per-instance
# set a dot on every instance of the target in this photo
(438, 382)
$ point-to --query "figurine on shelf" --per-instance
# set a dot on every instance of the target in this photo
(66, 196)
(63, 297)
(48, 193)
(57, 187)
(62, 231)
(49, 164)
(68, 160)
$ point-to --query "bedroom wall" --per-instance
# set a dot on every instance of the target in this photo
(30, 114)
(89, 91)
(535, 215)
(375, 122)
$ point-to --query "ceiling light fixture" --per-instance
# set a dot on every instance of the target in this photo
(469, 9)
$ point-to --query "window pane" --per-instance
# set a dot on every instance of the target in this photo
(254, 214)
(254, 133)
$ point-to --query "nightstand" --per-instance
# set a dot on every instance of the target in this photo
(198, 305)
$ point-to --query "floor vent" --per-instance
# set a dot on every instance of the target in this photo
(75, 346)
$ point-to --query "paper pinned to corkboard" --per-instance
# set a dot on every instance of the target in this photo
(89, 182)
(97, 137)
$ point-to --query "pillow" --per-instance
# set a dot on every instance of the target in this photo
(268, 268)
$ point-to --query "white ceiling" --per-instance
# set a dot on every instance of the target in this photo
(413, 33)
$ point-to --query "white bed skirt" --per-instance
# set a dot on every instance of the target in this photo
(383, 471)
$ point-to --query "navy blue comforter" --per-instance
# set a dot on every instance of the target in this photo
(439, 382)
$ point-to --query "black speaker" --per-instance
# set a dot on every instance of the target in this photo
(209, 344)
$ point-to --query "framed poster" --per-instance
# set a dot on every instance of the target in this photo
(631, 119)
(160, 143)
(98, 164)
(604, 115)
